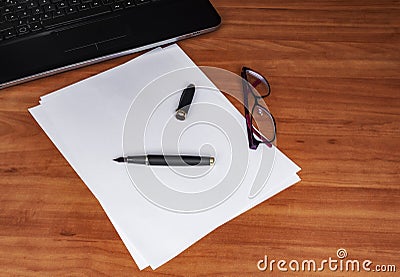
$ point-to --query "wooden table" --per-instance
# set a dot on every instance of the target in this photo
(334, 68)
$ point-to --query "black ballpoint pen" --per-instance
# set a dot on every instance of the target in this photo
(167, 160)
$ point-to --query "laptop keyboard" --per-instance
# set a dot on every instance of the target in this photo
(20, 18)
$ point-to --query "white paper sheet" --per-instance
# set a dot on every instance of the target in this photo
(85, 122)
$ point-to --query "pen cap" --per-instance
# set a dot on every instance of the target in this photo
(185, 102)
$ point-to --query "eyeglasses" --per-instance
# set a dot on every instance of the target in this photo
(261, 127)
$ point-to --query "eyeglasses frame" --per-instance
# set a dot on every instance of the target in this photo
(251, 130)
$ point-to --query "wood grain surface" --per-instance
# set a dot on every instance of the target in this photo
(334, 68)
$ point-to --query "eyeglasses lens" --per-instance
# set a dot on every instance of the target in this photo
(264, 123)
(260, 86)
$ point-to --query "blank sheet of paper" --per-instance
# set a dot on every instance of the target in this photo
(86, 122)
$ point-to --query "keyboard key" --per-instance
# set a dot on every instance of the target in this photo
(22, 30)
(76, 17)
(59, 13)
(11, 17)
(44, 2)
(61, 5)
(107, 2)
(140, 2)
(33, 19)
(32, 4)
(74, 2)
(37, 11)
(83, 7)
(49, 8)
(70, 10)
(19, 7)
(95, 3)
(22, 21)
(46, 16)
(117, 6)
(5, 26)
(8, 10)
(24, 14)
(35, 26)
(129, 3)
(9, 33)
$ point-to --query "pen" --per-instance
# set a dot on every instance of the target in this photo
(184, 102)
(167, 160)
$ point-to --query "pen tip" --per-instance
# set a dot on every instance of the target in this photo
(119, 160)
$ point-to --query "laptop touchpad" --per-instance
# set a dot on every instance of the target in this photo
(88, 36)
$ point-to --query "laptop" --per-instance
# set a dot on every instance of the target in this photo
(43, 37)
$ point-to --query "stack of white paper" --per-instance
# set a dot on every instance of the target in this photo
(87, 120)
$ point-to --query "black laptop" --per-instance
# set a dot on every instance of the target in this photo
(43, 37)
